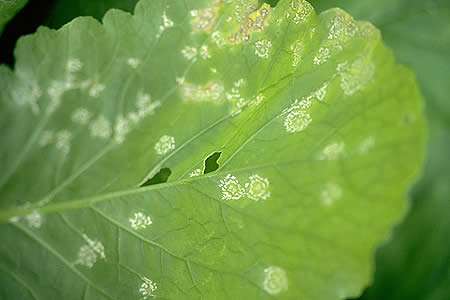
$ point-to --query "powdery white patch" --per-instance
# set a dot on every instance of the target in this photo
(275, 280)
(165, 144)
(165, 23)
(96, 89)
(189, 52)
(322, 56)
(262, 48)
(231, 188)
(355, 77)
(302, 10)
(196, 172)
(218, 39)
(211, 91)
(63, 140)
(257, 188)
(101, 128)
(298, 117)
(14, 219)
(46, 138)
(81, 115)
(204, 52)
(90, 252)
(321, 92)
(342, 28)
(133, 62)
(332, 151)
(367, 144)
(297, 52)
(73, 65)
(34, 219)
(147, 288)
(203, 19)
(140, 221)
(330, 193)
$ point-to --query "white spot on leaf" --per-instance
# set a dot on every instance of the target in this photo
(165, 144)
(34, 219)
(63, 141)
(101, 128)
(140, 221)
(262, 48)
(298, 117)
(275, 280)
(366, 145)
(322, 56)
(81, 116)
(147, 288)
(332, 151)
(74, 65)
(96, 90)
(196, 172)
(257, 188)
(231, 188)
(133, 62)
(189, 52)
(330, 193)
(88, 254)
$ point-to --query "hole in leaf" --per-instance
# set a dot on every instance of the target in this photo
(159, 177)
(211, 163)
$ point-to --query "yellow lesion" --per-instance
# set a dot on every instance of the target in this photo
(254, 21)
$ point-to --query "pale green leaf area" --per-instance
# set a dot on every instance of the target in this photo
(8, 8)
(320, 135)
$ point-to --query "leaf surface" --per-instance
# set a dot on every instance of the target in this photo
(319, 133)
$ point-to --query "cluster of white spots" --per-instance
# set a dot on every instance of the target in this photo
(234, 95)
(211, 91)
(342, 28)
(203, 19)
(297, 52)
(196, 172)
(330, 193)
(367, 144)
(29, 95)
(63, 140)
(259, 99)
(145, 107)
(166, 23)
(298, 117)
(250, 21)
(165, 144)
(320, 93)
(204, 52)
(302, 10)
(133, 62)
(81, 116)
(140, 221)
(257, 188)
(189, 52)
(96, 89)
(100, 127)
(332, 151)
(147, 288)
(218, 38)
(34, 219)
(231, 188)
(90, 252)
(213, 70)
(275, 280)
(243, 8)
(55, 91)
(73, 65)
(355, 77)
(262, 48)
(322, 56)
(46, 138)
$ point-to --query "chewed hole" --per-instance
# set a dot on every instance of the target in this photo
(211, 163)
(160, 177)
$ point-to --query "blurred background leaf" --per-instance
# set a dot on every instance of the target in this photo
(415, 264)
(8, 8)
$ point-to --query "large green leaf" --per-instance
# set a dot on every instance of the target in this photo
(8, 8)
(319, 133)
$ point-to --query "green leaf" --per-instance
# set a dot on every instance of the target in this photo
(8, 9)
(319, 133)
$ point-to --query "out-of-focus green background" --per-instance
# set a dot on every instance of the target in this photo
(415, 263)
